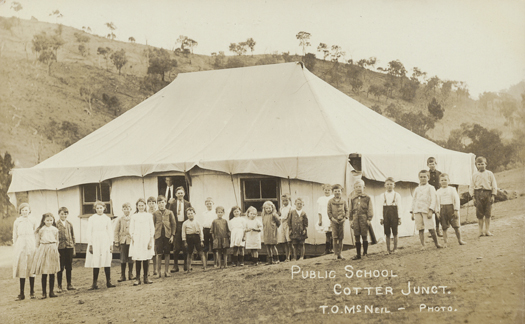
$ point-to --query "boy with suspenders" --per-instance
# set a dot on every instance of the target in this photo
(391, 209)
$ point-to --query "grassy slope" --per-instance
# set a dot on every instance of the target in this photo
(32, 97)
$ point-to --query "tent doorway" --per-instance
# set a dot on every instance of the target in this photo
(178, 181)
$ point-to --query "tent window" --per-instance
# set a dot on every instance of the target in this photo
(92, 192)
(256, 191)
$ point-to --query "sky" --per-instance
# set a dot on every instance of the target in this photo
(480, 42)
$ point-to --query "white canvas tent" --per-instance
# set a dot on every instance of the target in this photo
(220, 127)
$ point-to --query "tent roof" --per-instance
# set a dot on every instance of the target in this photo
(278, 120)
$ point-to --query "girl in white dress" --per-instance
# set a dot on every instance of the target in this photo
(47, 260)
(253, 234)
(283, 232)
(142, 231)
(323, 225)
(24, 248)
(237, 227)
(100, 244)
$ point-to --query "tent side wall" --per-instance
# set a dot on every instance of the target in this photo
(205, 183)
(225, 191)
(49, 201)
(375, 190)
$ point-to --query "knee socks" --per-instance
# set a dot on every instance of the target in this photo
(44, 284)
(107, 271)
(31, 285)
(145, 265)
(95, 274)
(59, 277)
(51, 283)
(68, 276)
(22, 285)
(365, 244)
(138, 265)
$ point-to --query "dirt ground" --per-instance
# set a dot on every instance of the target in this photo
(484, 284)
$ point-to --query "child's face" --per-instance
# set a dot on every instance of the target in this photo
(443, 182)
(99, 209)
(220, 213)
(268, 209)
(327, 192)
(126, 210)
(63, 215)
(180, 194)
(359, 188)
(191, 215)
(423, 178)
(432, 165)
(141, 206)
(252, 215)
(151, 204)
(25, 211)
(48, 221)
(236, 213)
(209, 205)
(285, 202)
(389, 185)
(481, 166)
(299, 205)
(162, 204)
(337, 193)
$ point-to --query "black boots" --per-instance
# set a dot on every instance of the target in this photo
(95, 279)
(365, 248)
(122, 272)
(107, 270)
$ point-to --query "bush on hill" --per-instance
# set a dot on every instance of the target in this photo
(474, 138)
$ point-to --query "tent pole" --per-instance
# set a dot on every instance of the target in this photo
(58, 202)
(466, 220)
(233, 185)
(143, 189)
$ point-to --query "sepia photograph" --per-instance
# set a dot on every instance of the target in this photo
(228, 161)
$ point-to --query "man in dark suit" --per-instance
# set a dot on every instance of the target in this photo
(179, 207)
(169, 191)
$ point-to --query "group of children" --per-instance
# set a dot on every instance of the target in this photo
(434, 203)
(160, 225)
(46, 250)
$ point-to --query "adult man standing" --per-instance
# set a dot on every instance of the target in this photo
(179, 207)
(170, 193)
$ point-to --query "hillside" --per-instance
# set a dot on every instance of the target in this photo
(43, 113)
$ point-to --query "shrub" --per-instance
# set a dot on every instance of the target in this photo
(474, 138)
(377, 109)
(6, 230)
(234, 62)
(152, 84)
